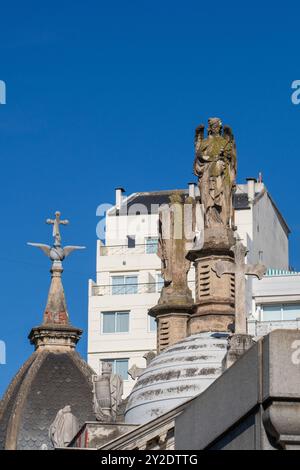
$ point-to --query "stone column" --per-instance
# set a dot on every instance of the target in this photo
(175, 302)
(172, 321)
(214, 296)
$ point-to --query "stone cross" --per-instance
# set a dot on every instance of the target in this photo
(56, 252)
(56, 223)
(135, 372)
(239, 269)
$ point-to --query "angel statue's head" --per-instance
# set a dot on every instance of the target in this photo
(214, 126)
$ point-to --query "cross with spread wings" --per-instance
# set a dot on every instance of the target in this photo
(56, 252)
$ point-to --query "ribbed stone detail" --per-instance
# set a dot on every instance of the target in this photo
(180, 372)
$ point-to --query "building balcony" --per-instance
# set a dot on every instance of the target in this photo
(262, 328)
(130, 289)
(148, 249)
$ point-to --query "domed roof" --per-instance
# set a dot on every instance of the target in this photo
(54, 376)
(180, 372)
(46, 383)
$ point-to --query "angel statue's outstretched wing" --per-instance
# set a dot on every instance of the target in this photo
(42, 246)
(228, 134)
(68, 249)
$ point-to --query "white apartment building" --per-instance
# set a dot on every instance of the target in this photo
(276, 302)
(128, 279)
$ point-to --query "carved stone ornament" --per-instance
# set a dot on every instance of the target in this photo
(107, 394)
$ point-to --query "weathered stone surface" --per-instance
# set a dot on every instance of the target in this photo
(238, 344)
(174, 305)
(64, 427)
(172, 252)
(239, 269)
(94, 434)
(215, 166)
(107, 394)
(217, 240)
(172, 321)
(214, 298)
(180, 372)
(136, 371)
(47, 382)
(54, 376)
(55, 337)
(56, 314)
(220, 262)
(253, 405)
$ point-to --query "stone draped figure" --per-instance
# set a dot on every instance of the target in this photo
(215, 167)
(172, 250)
(64, 427)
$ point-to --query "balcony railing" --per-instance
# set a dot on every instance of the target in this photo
(264, 327)
(123, 289)
(150, 248)
(147, 288)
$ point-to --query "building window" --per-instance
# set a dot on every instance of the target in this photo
(124, 285)
(115, 322)
(152, 324)
(119, 367)
(131, 241)
(280, 312)
(271, 312)
(159, 282)
(151, 245)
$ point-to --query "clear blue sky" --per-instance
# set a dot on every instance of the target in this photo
(102, 94)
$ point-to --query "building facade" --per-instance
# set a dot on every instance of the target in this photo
(128, 271)
(276, 302)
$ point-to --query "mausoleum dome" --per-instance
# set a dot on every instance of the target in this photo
(47, 382)
(54, 376)
(178, 373)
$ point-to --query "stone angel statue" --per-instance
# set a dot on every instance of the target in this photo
(215, 167)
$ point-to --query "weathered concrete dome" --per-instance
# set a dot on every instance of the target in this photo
(180, 372)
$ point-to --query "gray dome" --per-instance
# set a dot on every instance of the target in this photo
(47, 382)
(178, 373)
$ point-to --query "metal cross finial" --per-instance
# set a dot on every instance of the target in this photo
(56, 223)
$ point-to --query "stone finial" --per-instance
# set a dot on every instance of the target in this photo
(56, 309)
(64, 427)
(107, 394)
(149, 356)
(56, 329)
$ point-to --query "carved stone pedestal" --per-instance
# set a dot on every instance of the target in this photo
(172, 323)
(238, 344)
(214, 297)
(55, 337)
